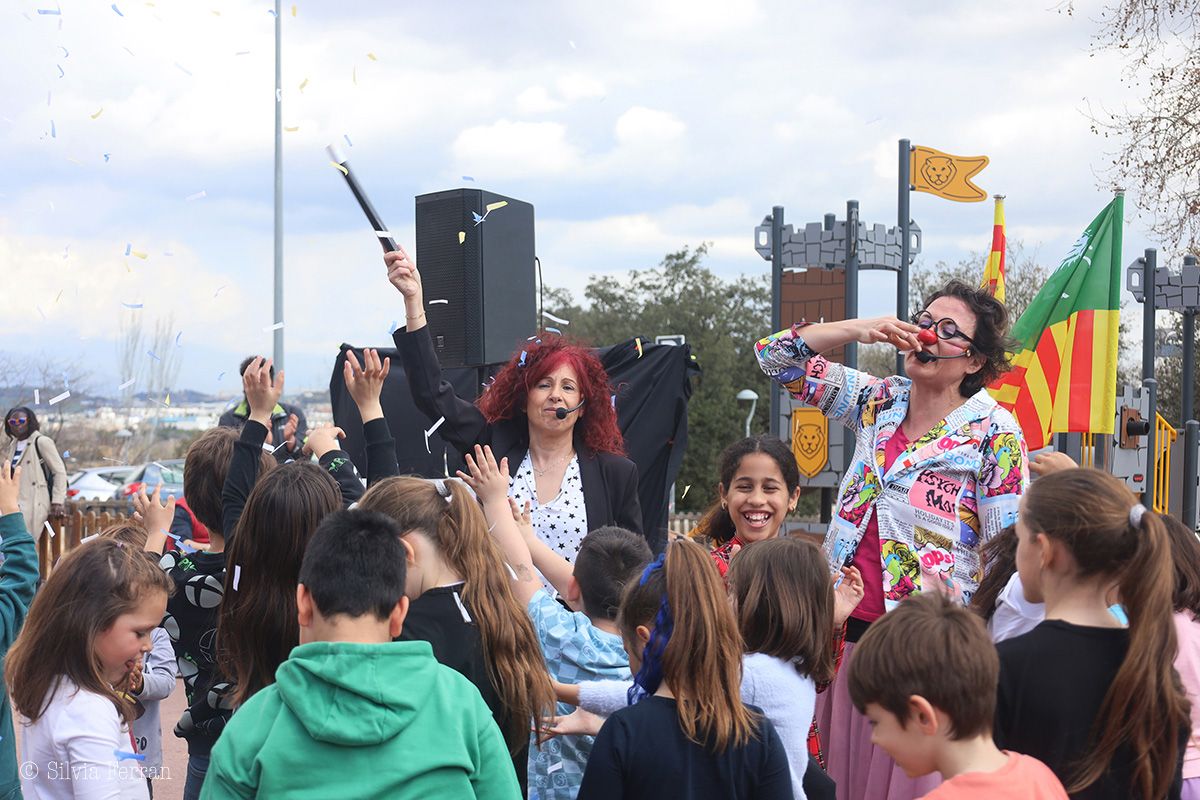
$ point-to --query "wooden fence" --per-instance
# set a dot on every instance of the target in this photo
(82, 520)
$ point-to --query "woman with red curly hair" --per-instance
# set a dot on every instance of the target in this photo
(548, 412)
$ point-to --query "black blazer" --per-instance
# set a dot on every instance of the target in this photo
(610, 483)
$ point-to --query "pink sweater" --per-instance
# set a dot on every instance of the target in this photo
(1187, 664)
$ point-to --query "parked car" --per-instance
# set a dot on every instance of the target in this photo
(97, 483)
(168, 473)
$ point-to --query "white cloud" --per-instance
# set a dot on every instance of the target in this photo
(536, 100)
(576, 86)
(513, 149)
(648, 127)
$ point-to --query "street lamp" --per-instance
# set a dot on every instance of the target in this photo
(752, 396)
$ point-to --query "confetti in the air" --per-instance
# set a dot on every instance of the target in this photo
(340, 168)
(196, 196)
(151, 354)
(292, 129)
(183, 69)
(372, 56)
(553, 318)
(347, 138)
(303, 83)
(133, 306)
(128, 248)
(58, 398)
(62, 73)
(554, 330)
(431, 431)
(178, 336)
(125, 385)
(685, 491)
(462, 236)
(490, 207)
(121, 754)
(53, 130)
(37, 397)
(278, 326)
(638, 343)
(524, 354)
(57, 12)
(439, 302)
(222, 375)
(114, 8)
(237, 576)
(468, 178)
(218, 291)
(98, 113)
(50, 529)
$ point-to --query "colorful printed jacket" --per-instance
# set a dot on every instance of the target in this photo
(953, 488)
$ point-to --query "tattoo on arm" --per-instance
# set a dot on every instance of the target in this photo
(523, 573)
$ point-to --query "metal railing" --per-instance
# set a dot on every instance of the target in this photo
(1164, 439)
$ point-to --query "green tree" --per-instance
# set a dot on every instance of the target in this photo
(721, 320)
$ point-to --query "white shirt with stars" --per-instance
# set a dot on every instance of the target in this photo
(562, 522)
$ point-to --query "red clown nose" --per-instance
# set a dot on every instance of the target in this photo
(927, 336)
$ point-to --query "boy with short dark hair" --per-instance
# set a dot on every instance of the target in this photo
(353, 713)
(579, 644)
(925, 676)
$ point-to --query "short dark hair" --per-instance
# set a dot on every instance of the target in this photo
(31, 426)
(247, 361)
(935, 648)
(355, 565)
(607, 558)
(204, 471)
(990, 340)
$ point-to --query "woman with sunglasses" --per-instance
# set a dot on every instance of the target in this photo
(938, 469)
(44, 477)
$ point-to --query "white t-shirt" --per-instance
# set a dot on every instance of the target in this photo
(78, 750)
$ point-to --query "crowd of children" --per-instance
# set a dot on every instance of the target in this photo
(400, 641)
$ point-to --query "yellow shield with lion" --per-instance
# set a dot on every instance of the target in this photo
(810, 440)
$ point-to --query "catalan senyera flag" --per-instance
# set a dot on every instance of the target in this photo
(1064, 372)
(993, 273)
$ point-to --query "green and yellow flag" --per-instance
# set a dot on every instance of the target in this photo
(1064, 374)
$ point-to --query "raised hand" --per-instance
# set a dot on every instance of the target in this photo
(289, 432)
(10, 488)
(402, 273)
(523, 517)
(488, 479)
(898, 333)
(574, 724)
(848, 592)
(156, 517)
(262, 394)
(1053, 461)
(323, 439)
(365, 383)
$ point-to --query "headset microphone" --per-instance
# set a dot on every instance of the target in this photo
(929, 358)
(561, 412)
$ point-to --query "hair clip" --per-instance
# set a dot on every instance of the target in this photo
(443, 488)
(1135, 515)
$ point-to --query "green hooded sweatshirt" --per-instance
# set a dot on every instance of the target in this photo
(359, 721)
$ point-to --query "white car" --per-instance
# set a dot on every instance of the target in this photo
(97, 483)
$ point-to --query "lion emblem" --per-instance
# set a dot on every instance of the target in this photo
(810, 439)
(939, 171)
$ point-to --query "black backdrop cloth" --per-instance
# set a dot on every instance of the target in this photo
(652, 396)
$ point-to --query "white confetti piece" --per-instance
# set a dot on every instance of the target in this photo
(237, 576)
(685, 491)
(555, 767)
(58, 398)
(462, 609)
(37, 397)
(196, 196)
(439, 302)
(432, 431)
(125, 385)
(87, 539)
(278, 326)
(49, 529)
(553, 318)
(383, 234)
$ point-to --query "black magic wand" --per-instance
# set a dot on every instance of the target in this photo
(381, 231)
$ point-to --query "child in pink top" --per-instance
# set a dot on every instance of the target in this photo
(925, 676)
(1185, 555)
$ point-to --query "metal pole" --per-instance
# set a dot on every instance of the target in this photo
(829, 220)
(776, 301)
(750, 416)
(903, 212)
(851, 357)
(1188, 406)
(1191, 454)
(278, 354)
(1150, 386)
(1149, 277)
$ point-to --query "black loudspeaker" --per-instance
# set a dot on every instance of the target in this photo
(482, 270)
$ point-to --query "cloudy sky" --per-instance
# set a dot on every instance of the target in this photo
(635, 127)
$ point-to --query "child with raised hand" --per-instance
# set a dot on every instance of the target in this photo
(365, 384)
(69, 670)
(199, 580)
(685, 729)
(1099, 703)
(18, 579)
(463, 603)
(924, 675)
(353, 713)
(582, 643)
(153, 678)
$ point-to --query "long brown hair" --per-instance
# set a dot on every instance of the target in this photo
(455, 525)
(1092, 514)
(1185, 557)
(88, 590)
(694, 644)
(999, 558)
(785, 603)
(257, 626)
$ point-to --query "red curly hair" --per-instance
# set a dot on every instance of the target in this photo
(507, 395)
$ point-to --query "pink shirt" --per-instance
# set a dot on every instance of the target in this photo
(1187, 664)
(1022, 778)
(867, 558)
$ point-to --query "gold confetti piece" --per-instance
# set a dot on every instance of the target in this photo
(490, 207)
(340, 168)
(292, 130)
(216, 13)
(303, 83)
(354, 75)
(141, 255)
(167, 401)
(59, 297)
(462, 236)
(293, 9)
(372, 56)
(98, 113)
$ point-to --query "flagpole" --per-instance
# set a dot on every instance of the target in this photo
(904, 214)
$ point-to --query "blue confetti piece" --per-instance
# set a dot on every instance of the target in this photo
(114, 8)
(554, 330)
(475, 216)
(121, 754)
(179, 541)
(183, 69)
(614, 401)
(392, 329)
(57, 12)
(222, 375)
(523, 356)
(62, 73)
(47, 99)
(271, 11)
(151, 354)
(347, 138)
(133, 306)
(177, 338)
(53, 131)
(468, 178)
(66, 52)
(128, 248)
(106, 157)
(65, 454)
